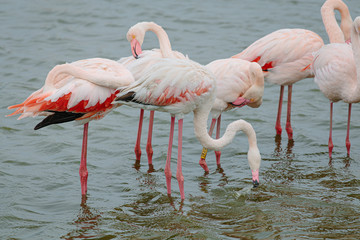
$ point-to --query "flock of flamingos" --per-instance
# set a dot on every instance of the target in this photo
(167, 80)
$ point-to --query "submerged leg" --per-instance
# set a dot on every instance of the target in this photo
(218, 153)
(347, 142)
(278, 119)
(179, 174)
(149, 149)
(83, 172)
(137, 145)
(202, 161)
(168, 158)
(289, 129)
(330, 143)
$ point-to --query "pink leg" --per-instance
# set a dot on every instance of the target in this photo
(202, 161)
(218, 153)
(137, 145)
(348, 144)
(168, 158)
(83, 172)
(179, 174)
(278, 119)
(330, 144)
(149, 149)
(289, 129)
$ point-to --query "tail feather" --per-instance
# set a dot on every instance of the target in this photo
(58, 117)
(128, 97)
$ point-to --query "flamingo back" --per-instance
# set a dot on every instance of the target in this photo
(177, 86)
(284, 55)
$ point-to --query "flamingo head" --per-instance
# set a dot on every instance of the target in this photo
(252, 97)
(135, 36)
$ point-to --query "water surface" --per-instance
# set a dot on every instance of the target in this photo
(302, 194)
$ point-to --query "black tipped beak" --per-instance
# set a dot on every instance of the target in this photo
(255, 184)
(135, 53)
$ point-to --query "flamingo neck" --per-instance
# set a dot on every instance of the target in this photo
(336, 33)
(200, 128)
(100, 79)
(164, 42)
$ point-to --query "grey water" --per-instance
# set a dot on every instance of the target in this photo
(302, 194)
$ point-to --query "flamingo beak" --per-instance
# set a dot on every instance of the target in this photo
(240, 102)
(135, 48)
(255, 177)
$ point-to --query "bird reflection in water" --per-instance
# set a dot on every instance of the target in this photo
(87, 222)
(288, 150)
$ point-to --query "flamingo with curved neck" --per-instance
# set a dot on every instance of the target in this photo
(80, 91)
(337, 67)
(181, 86)
(239, 83)
(138, 62)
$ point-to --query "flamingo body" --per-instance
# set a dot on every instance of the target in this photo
(83, 90)
(179, 86)
(285, 57)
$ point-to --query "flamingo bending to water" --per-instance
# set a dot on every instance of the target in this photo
(82, 91)
(238, 83)
(181, 86)
(337, 66)
(139, 61)
(285, 56)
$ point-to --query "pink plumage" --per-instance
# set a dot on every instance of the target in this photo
(337, 65)
(285, 57)
(83, 90)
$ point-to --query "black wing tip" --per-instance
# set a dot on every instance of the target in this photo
(58, 117)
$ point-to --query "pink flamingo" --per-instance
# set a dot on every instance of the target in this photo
(285, 56)
(138, 62)
(82, 91)
(181, 86)
(238, 83)
(337, 66)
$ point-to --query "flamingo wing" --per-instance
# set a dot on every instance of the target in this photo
(333, 65)
(69, 95)
(174, 84)
(284, 54)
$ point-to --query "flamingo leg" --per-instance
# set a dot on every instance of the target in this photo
(149, 149)
(278, 119)
(218, 153)
(348, 144)
(330, 144)
(138, 138)
(83, 172)
(202, 161)
(179, 174)
(168, 158)
(289, 129)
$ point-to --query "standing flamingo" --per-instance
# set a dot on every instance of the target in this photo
(138, 62)
(179, 86)
(238, 83)
(285, 56)
(83, 91)
(337, 70)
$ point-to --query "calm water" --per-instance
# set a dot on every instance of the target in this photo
(302, 195)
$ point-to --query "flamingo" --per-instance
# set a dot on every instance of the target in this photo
(82, 91)
(285, 56)
(181, 86)
(336, 68)
(239, 83)
(138, 62)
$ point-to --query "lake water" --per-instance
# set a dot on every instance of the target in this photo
(302, 195)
